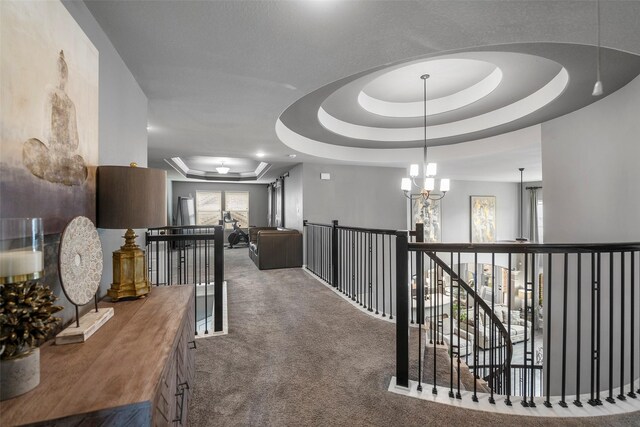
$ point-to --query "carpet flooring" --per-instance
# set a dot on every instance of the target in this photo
(299, 355)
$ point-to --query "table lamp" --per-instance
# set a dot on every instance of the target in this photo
(128, 198)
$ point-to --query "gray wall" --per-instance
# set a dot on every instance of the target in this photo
(361, 196)
(591, 177)
(456, 209)
(293, 198)
(257, 197)
(122, 125)
(591, 173)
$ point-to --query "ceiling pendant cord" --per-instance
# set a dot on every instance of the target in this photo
(424, 78)
(597, 88)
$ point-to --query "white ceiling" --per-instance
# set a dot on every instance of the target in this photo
(219, 74)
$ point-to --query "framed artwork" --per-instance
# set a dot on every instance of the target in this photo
(49, 125)
(483, 219)
(429, 214)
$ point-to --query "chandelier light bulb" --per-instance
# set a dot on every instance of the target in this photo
(432, 169)
(414, 170)
(429, 184)
(444, 184)
(406, 184)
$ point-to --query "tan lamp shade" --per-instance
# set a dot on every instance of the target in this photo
(131, 197)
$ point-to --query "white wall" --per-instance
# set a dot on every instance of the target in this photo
(591, 179)
(293, 198)
(122, 123)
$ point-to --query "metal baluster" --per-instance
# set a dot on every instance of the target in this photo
(621, 396)
(579, 329)
(493, 327)
(476, 310)
(384, 301)
(547, 313)
(353, 265)
(532, 404)
(633, 330)
(508, 376)
(599, 343)
(420, 313)
(451, 341)
(370, 272)
(594, 354)
(436, 320)
(526, 309)
(377, 268)
(390, 281)
(562, 402)
(361, 268)
(610, 398)
(458, 395)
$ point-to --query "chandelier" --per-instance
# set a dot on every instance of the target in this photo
(429, 169)
(222, 169)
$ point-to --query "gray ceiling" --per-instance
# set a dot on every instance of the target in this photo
(218, 74)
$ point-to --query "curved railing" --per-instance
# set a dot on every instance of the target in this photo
(503, 351)
(493, 305)
(588, 292)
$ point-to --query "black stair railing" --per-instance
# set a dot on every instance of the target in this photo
(538, 321)
(499, 375)
(190, 255)
(569, 313)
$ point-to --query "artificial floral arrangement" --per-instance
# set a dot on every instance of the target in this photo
(26, 317)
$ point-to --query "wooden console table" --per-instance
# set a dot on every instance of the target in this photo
(138, 369)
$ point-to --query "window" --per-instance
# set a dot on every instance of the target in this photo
(208, 207)
(237, 204)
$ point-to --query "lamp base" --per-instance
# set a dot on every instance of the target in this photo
(129, 271)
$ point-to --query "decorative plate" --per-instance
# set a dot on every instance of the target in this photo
(80, 260)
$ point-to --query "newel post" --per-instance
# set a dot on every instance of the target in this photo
(334, 253)
(218, 276)
(402, 310)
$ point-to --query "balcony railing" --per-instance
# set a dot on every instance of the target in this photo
(358, 262)
(191, 255)
(538, 324)
(584, 346)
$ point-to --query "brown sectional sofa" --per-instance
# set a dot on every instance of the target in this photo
(271, 247)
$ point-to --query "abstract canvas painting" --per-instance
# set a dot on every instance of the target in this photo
(49, 97)
(483, 219)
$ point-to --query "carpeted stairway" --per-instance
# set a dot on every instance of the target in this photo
(299, 355)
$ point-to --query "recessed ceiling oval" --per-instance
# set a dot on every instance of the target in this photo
(463, 97)
(366, 116)
(497, 117)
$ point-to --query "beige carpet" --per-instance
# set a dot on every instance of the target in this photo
(299, 355)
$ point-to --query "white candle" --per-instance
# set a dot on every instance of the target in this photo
(18, 263)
